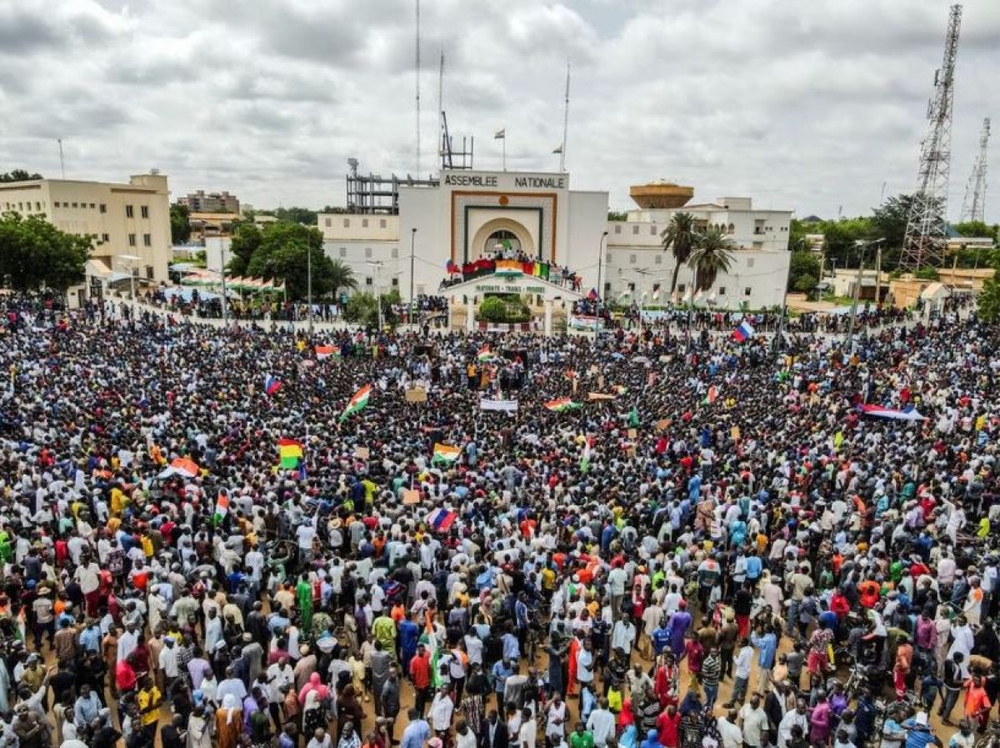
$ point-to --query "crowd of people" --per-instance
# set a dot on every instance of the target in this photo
(641, 544)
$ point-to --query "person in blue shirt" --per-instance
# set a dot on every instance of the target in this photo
(767, 644)
(661, 636)
(417, 732)
(754, 567)
(501, 672)
(919, 733)
(409, 633)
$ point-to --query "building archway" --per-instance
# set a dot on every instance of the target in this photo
(502, 231)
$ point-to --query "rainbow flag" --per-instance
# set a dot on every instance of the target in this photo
(357, 403)
(291, 453)
(325, 351)
(446, 453)
(562, 404)
(271, 384)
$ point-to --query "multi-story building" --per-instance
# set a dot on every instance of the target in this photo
(467, 214)
(210, 202)
(129, 222)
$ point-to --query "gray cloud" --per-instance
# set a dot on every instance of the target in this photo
(809, 108)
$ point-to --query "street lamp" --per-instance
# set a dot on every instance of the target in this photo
(600, 291)
(863, 245)
(413, 239)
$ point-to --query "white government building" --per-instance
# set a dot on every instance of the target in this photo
(464, 215)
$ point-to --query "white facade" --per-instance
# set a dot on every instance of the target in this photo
(459, 221)
(126, 219)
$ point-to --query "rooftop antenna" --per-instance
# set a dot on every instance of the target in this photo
(562, 148)
(418, 89)
(443, 147)
(62, 161)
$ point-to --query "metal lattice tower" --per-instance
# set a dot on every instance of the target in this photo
(924, 242)
(974, 205)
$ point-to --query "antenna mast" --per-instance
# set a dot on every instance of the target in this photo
(62, 161)
(441, 134)
(974, 205)
(418, 89)
(924, 242)
(562, 150)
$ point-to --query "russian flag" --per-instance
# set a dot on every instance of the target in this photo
(744, 332)
(440, 520)
(271, 384)
(592, 295)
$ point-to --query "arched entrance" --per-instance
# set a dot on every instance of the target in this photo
(503, 232)
(503, 241)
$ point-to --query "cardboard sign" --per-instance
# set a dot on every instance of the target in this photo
(416, 395)
(507, 406)
(663, 424)
(411, 497)
(599, 396)
(362, 452)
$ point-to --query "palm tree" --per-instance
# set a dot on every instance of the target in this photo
(679, 237)
(712, 254)
(341, 275)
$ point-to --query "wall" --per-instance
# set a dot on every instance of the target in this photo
(588, 213)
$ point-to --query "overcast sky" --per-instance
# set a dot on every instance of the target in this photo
(806, 105)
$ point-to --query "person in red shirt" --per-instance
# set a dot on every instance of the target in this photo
(420, 674)
(667, 727)
(839, 605)
(125, 676)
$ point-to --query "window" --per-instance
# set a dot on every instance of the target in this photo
(343, 251)
(658, 260)
(149, 272)
(656, 289)
(129, 212)
(607, 260)
(681, 287)
(747, 291)
(103, 208)
(382, 223)
(652, 230)
(758, 245)
(368, 252)
(750, 262)
(368, 281)
(635, 229)
(77, 205)
(144, 211)
(105, 237)
(364, 223)
(131, 240)
(618, 228)
(147, 240)
(631, 287)
(722, 290)
(395, 253)
(329, 222)
(631, 259)
(55, 204)
(92, 206)
(395, 282)
(38, 206)
(347, 223)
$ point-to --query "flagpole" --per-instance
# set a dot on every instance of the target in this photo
(503, 147)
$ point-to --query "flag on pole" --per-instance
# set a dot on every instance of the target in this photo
(562, 404)
(500, 134)
(271, 384)
(445, 453)
(357, 403)
(441, 520)
(592, 295)
(744, 332)
(325, 351)
(485, 354)
(221, 508)
(711, 396)
(585, 460)
(290, 452)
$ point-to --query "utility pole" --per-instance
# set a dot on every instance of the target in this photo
(377, 264)
(309, 287)
(857, 291)
(600, 291)
(413, 239)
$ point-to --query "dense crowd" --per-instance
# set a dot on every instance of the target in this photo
(509, 541)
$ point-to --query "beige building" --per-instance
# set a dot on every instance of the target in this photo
(211, 202)
(127, 220)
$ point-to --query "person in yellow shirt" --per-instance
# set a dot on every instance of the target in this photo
(148, 700)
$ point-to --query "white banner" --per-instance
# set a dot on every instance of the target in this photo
(509, 406)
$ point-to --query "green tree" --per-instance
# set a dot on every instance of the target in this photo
(798, 232)
(180, 223)
(840, 240)
(18, 175)
(341, 276)
(284, 253)
(927, 273)
(977, 229)
(362, 308)
(803, 271)
(712, 254)
(334, 209)
(617, 215)
(988, 303)
(246, 238)
(296, 215)
(33, 253)
(679, 238)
